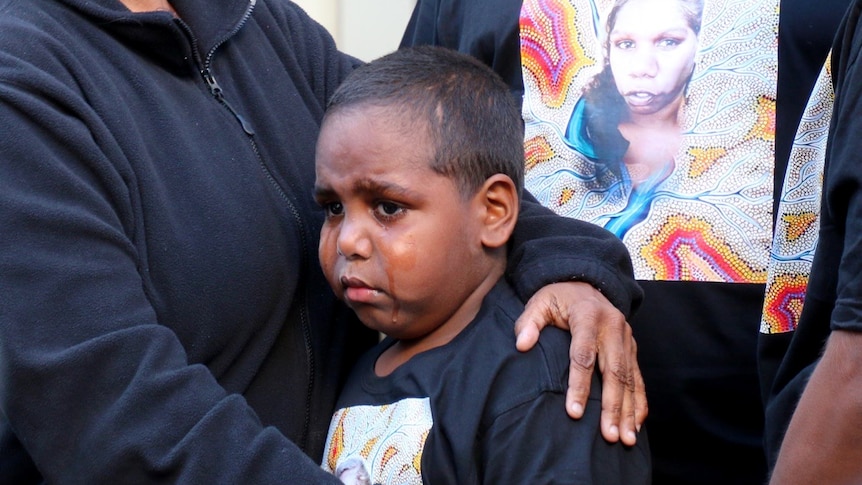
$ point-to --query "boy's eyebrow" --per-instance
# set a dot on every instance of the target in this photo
(366, 186)
(373, 186)
(322, 192)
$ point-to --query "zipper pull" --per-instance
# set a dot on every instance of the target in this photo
(218, 94)
(215, 89)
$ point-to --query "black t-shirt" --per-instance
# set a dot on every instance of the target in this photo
(478, 411)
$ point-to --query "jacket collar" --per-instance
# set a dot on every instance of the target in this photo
(205, 24)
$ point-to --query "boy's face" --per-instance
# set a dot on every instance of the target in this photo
(399, 245)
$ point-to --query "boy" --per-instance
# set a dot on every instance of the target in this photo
(419, 172)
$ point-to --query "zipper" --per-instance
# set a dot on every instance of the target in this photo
(206, 71)
(218, 94)
(216, 91)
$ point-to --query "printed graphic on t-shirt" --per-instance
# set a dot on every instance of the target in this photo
(656, 120)
(379, 444)
(798, 218)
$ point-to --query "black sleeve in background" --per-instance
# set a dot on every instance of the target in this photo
(422, 27)
(805, 33)
(487, 30)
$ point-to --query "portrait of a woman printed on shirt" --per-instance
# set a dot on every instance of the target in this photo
(655, 119)
(628, 117)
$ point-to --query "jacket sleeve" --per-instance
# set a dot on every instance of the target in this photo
(548, 248)
(91, 383)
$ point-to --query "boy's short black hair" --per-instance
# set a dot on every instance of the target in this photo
(472, 118)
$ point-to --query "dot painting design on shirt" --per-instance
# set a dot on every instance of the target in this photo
(387, 439)
(706, 215)
(798, 218)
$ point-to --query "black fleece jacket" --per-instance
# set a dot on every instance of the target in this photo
(162, 314)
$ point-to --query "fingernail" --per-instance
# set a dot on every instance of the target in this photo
(615, 431)
(577, 409)
(632, 435)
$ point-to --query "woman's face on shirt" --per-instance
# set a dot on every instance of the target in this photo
(652, 48)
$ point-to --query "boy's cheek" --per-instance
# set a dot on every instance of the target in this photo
(326, 252)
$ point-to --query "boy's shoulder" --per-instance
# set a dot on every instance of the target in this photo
(544, 368)
(553, 343)
(550, 355)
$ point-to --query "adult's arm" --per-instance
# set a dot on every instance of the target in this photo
(823, 443)
(94, 386)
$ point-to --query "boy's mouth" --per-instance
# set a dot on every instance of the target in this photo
(357, 290)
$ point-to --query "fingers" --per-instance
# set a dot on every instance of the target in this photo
(615, 389)
(612, 398)
(601, 334)
(635, 408)
(581, 366)
(641, 405)
(624, 404)
(540, 311)
(618, 415)
(527, 337)
(582, 360)
(621, 378)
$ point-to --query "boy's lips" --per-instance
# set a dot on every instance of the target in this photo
(357, 290)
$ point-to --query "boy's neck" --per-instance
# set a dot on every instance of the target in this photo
(403, 350)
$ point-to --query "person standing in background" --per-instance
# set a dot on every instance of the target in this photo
(806, 33)
(812, 397)
(698, 435)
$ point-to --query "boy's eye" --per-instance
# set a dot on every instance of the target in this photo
(334, 208)
(388, 209)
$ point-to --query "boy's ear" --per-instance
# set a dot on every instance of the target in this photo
(499, 200)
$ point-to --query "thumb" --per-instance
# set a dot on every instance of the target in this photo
(528, 326)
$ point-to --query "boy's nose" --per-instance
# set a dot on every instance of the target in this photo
(353, 239)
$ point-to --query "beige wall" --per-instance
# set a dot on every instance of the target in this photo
(363, 28)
